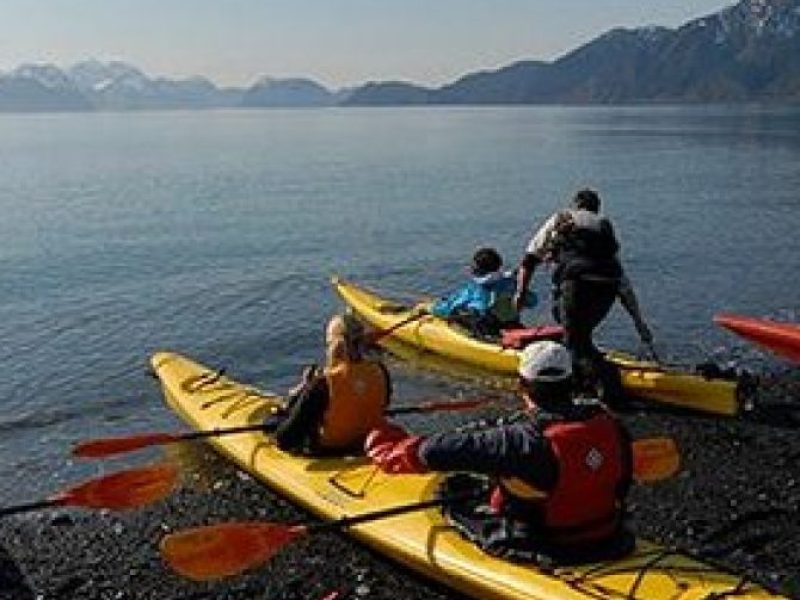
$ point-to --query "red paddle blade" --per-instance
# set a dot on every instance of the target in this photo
(123, 490)
(217, 551)
(655, 459)
(118, 445)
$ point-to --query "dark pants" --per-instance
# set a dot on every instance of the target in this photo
(580, 306)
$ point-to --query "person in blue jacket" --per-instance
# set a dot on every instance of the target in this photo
(485, 303)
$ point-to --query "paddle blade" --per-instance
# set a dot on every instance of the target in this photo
(118, 445)
(123, 490)
(217, 551)
(655, 459)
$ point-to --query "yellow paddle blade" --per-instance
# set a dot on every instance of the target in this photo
(655, 459)
(217, 551)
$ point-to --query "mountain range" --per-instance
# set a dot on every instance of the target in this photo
(747, 52)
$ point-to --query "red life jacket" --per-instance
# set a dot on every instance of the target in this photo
(584, 505)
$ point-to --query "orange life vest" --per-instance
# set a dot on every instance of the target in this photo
(585, 503)
(357, 397)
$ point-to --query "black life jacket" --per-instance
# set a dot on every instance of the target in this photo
(585, 247)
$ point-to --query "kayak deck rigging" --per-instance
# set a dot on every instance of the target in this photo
(336, 487)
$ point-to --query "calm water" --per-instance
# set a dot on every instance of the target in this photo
(215, 233)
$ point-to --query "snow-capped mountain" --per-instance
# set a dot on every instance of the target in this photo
(94, 76)
(115, 85)
(33, 87)
(749, 51)
(49, 76)
(118, 85)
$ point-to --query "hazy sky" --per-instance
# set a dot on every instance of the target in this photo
(337, 42)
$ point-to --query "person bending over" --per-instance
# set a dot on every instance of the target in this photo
(563, 467)
(587, 279)
(332, 410)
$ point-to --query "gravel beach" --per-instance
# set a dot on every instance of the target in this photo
(735, 502)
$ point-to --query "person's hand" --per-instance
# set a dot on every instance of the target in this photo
(402, 457)
(392, 450)
(520, 300)
(382, 438)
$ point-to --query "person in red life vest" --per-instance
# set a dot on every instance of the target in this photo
(564, 465)
(334, 408)
(587, 279)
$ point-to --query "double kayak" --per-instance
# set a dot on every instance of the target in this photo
(642, 379)
(781, 338)
(333, 488)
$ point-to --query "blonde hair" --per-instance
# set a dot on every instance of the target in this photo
(344, 337)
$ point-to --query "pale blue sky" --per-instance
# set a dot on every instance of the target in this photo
(337, 42)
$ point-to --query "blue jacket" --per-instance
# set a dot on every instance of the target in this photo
(481, 296)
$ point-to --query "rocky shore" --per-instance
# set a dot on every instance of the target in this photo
(735, 502)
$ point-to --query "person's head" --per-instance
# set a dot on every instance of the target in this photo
(344, 338)
(545, 375)
(587, 199)
(485, 261)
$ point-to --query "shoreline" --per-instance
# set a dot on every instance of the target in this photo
(734, 503)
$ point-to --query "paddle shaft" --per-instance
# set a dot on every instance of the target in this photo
(379, 335)
(108, 447)
(385, 513)
(402, 410)
(198, 435)
(30, 507)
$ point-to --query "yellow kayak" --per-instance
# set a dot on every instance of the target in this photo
(646, 380)
(336, 487)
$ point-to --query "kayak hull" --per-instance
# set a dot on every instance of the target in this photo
(643, 379)
(781, 338)
(336, 487)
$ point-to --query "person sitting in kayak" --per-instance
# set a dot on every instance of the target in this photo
(563, 466)
(485, 304)
(587, 279)
(333, 409)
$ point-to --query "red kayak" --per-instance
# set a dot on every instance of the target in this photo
(780, 338)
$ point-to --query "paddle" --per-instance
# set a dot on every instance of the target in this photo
(375, 336)
(119, 491)
(655, 459)
(105, 447)
(217, 551)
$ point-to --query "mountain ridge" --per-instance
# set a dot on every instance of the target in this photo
(749, 51)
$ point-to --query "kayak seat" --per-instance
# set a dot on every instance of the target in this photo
(516, 540)
(521, 337)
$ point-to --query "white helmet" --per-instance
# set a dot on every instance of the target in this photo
(545, 361)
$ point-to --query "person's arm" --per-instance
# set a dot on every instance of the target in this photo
(514, 450)
(629, 301)
(524, 275)
(452, 303)
(304, 418)
(539, 247)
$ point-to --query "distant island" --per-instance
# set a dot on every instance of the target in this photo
(745, 53)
